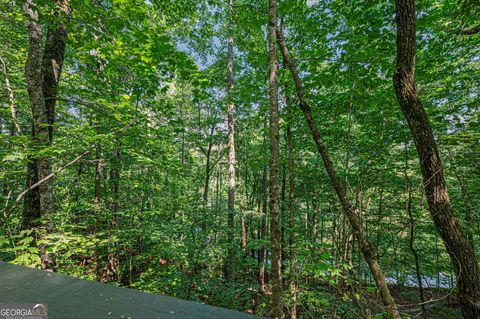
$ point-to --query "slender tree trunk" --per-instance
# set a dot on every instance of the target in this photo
(217, 188)
(411, 242)
(263, 227)
(115, 178)
(183, 148)
(379, 223)
(274, 205)
(240, 191)
(313, 237)
(98, 169)
(307, 203)
(348, 256)
(244, 225)
(98, 147)
(457, 244)
(353, 217)
(207, 168)
(15, 131)
(230, 266)
(100, 253)
(283, 211)
(291, 208)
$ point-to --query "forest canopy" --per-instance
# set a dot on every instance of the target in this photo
(292, 159)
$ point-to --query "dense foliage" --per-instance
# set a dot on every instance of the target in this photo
(142, 97)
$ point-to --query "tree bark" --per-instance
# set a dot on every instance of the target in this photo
(366, 247)
(263, 226)
(240, 191)
(291, 207)
(98, 169)
(456, 242)
(37, 202)
(313, 234)
(16, 131)
(8, 211)
(230, 266)
(42, 71)
(53, 58)
(98, 146)
(274, 204)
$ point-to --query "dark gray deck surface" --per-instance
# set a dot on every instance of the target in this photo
(69, 297)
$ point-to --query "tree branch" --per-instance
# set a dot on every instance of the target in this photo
(469, 31)
(7, 212)
(10, 97)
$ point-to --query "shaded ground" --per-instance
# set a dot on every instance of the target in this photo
(440, 303)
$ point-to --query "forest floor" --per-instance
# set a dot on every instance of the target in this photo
(439, 303)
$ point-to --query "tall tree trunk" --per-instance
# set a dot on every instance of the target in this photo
(42, 71)
(240, 191)
(283, 211)
(98, 147)
(291, 208)
(100, 253)
(457, 244)
(263, 227)
(348, 253)
(274, 205)
(230, 267)
(353, 216)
